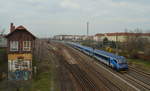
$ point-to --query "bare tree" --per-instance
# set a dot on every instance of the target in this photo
(134, 43)
(147, 49)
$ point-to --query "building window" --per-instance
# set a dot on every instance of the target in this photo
(26, 45)
(13, 45)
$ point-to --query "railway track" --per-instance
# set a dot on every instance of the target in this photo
(107, 83)
(81, 77)
(141, 84)
(140, 80)
(139, 71)
(139, 77)
(136, 79)
(111, 86)
(142, 73)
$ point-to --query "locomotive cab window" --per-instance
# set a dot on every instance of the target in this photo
(26, 45)
(115, 61)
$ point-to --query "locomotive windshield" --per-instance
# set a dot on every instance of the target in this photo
(122, 60)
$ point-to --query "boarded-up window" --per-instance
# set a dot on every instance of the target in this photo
(26, 45)
(13, 45)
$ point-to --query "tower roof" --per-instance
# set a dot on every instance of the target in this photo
(20, 28)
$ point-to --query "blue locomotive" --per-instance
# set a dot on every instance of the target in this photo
(116, 62)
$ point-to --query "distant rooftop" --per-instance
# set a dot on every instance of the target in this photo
(123, 34)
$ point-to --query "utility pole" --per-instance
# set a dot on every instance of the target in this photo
(87, 29)
(88, 39)
(116, 43)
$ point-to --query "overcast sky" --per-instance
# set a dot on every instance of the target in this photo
(52, 17)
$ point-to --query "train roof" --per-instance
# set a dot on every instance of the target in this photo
(79, 45)
(88, 48)
(108, 54)
(76, 44)
(99, 51)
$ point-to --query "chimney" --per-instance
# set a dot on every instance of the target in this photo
(12, 27)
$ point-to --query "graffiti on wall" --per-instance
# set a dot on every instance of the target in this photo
(19, 65)
(19, 69)
(19, 75)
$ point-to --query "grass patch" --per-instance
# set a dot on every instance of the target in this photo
(3, 59)
(2, 50)
(144, 65)
(45, 80)
(42, 83)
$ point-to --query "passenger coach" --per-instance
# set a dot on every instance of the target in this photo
(116, 62)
